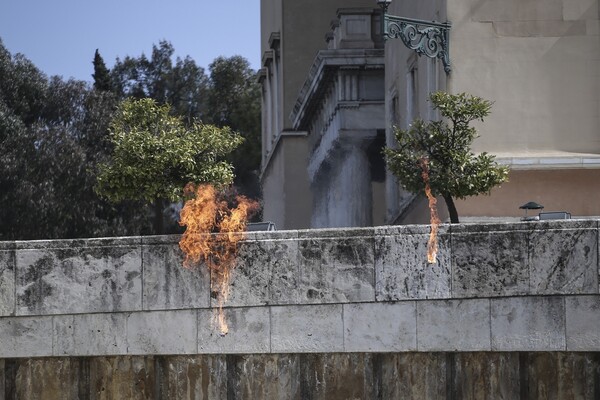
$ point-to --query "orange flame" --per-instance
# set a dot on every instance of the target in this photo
(213, 230)
(432, 244)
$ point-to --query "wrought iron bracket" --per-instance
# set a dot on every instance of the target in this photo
(426, 38)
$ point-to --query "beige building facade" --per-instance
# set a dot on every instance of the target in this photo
(537, 60)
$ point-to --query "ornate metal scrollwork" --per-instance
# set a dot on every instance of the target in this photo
(424, 37)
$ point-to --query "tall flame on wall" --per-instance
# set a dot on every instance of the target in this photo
(213, 230)
(432, 244)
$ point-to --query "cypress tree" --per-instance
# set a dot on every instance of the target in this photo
(101, 74)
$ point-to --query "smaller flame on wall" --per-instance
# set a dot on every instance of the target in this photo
(432, 244)
(213, 230)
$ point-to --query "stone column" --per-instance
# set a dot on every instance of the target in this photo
(342, 186)
(350, 201)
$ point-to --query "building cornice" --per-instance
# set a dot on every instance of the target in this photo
(550, 161)
(325, 65)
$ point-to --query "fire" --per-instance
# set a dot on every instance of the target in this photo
(432, 244)
(213, 230)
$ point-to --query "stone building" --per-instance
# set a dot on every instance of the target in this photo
(332, 90)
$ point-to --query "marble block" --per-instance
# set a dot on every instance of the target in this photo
(168, 284)
(249, 331)
(564, 261)
(380, 327)
(528, 324)
(307, 329)
(162, 332)
(490, 264)
(583, 323)
(265, 273)
(453, 325)
(90, 334)
(403, 272)
(336, 270)
(25, 337)
(7, 283)
(78, 280)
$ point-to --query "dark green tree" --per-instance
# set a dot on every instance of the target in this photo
(101, 75)
(234, 100)
(182, 84)
(454, 170)
(52, 134)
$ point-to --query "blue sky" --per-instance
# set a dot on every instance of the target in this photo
(60, 36)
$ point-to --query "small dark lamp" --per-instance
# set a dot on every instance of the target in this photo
(532, 205)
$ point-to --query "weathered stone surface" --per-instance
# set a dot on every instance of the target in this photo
(479, 376)
(412, 375)
(190, 377)
(7, 282)
(333, 376)
(518, 10)
(539, 28)
(3, 376)
(583, 323)
(402, 271)
(318, 267)
(249, 331)
(336, 376)
(559, 375)
(284, 274)
(266, 273)
(494, 227)
(528, 324)
(48, 379)
(453, 325)
(128, 241)
(25, 337)
(336, 270)
(162, 332)
(122, 378)
(262, 377)
(580, 9)
(564, 261)
(168, 285)
(302, 329)
(380, 327)
(90, 334)
(335, 233)
(78, 280)
(490, 264)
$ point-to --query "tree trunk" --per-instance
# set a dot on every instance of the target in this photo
(159, 223)
(451, 208)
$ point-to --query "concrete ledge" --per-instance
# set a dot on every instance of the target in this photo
(532, 323)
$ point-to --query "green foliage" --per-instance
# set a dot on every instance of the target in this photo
(54, 134)
(156, 154)
(454, 170)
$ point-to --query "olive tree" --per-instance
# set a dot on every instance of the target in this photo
(156, 154)
(454, 170)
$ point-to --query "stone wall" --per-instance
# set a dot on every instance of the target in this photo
(384, 376)
(126, 306)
